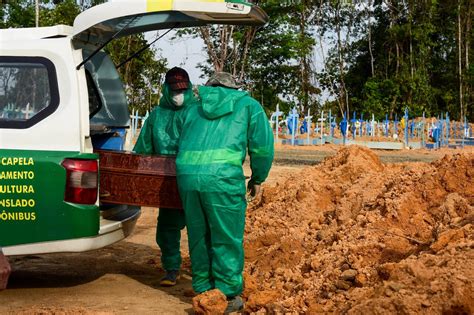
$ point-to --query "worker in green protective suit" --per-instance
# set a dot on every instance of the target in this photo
(160, 135)
(216, 135)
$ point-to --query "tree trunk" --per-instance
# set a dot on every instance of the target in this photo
(211, 51)
(468, 34)
(369, 13)
(232, 55)
(341, 59)
(346, 44)
(412, 70)
(250, 35)
(226, 35)
(304, 63)
(37, 9)
(412, 66)
(129, 64)
(397, 47)
(323, 56)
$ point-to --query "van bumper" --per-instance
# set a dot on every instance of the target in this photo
(116, 223)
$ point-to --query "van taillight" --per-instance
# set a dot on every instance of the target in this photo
(81, 181)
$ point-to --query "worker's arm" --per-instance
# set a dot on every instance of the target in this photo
(260, 144)
(144, 143)
(4, 271)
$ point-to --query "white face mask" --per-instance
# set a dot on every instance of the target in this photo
(178, 99)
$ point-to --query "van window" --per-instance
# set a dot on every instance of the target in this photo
(28, 91)
(94, 98)
(108, 87)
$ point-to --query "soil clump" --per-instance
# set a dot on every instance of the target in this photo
(212, 302)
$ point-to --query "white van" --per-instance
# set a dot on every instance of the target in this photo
(59, 89)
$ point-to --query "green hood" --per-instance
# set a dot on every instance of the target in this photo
(166, 98)
(219, 101)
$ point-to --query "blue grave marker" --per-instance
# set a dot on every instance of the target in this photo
(395, 125)
(343, 126)
(406, 126)
(448, 128)
(423, 131)
(442, 129)
(294, 125)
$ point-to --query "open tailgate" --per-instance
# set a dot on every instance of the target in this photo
(125, 17)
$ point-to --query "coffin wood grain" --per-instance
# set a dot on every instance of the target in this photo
(141, 180)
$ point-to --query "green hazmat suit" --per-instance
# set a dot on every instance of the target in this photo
(159, 135)
(216, 135)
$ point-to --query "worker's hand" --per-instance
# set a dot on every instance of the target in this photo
(253, 190)
(4, 271)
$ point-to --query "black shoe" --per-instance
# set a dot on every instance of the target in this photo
(235, 304)
(170, 278)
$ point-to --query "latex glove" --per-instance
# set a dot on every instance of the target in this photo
(253, 190)
(4, 271)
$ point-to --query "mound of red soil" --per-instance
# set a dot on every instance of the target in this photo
(354, 235)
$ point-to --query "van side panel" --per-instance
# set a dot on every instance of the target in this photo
(32, 206)
(61, 130)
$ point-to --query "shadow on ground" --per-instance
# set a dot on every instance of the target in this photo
(136, 261)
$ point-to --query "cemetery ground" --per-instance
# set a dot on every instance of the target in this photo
(337, 230)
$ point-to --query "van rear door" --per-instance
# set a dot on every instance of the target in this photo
(120, 18)
(97, 26)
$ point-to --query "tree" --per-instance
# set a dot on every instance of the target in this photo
(414, 55)
(338, 21)
(281, 72)
(18, 14)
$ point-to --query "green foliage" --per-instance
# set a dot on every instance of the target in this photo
(63, 13)
(415, 60)
(379, 96)
(20, 13)
(142, 75)
(275, 72)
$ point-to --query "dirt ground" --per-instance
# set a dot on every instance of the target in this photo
(351, 234)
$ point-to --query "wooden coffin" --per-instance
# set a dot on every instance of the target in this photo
(140, 180)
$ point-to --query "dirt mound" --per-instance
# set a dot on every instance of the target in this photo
(212, 302)
(354, 159)
(352, 234)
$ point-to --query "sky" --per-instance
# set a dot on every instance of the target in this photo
(186, 53)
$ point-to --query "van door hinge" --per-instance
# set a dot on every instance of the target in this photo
(235, 6)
